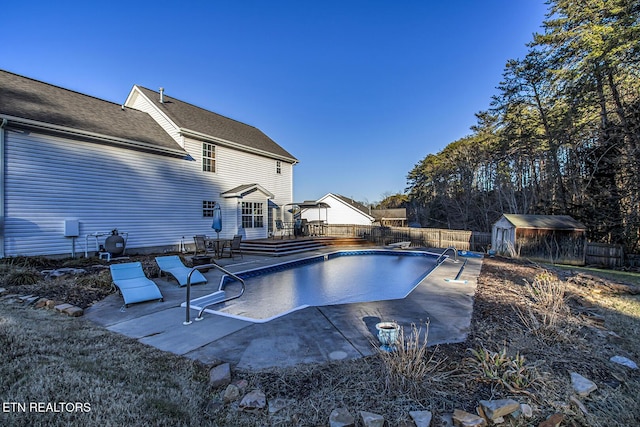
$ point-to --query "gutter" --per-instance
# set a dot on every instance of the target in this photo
(240, 147)
(3, 125)
(67, 131)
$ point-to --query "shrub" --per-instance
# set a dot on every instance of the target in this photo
(21, 277)
(546, 306)
(497, 367)
(410, 363)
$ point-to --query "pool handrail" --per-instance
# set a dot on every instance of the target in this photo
(208, 266)
(455, 255)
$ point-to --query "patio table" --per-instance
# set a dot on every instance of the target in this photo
(217, 244)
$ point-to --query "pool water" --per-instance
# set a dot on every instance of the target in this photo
(339, 278)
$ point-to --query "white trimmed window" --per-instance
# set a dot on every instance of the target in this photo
(208, 157)
(207, 208)
(278, 167)
(252, 215)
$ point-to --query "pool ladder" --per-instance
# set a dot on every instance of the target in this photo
(208, 266)
(450, 248)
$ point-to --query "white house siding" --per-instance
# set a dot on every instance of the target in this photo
(139, 102)
(156, 199)
(338, 213)
(235, 168)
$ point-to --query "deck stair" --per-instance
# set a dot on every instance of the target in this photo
(280, 247)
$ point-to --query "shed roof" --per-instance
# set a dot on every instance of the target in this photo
(397, 213)
(547, 222)
(192, 118)
(30, 102)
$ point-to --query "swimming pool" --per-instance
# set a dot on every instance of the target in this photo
(341, 277)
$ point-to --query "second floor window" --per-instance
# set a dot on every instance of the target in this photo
(278, 167)
(208, 157)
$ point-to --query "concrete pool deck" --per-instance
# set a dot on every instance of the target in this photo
(309, 335)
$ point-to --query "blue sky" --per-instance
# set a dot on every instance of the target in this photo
(358, 91)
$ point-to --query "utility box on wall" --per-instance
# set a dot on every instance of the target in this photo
(71, 228)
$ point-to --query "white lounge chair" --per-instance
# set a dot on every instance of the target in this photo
(173, 266)
(133, 284)
(399, 245)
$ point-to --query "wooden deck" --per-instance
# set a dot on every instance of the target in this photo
(279, 247)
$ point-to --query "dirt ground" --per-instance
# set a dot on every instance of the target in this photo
(520, 346)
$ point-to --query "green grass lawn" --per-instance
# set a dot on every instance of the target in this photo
(615, 275)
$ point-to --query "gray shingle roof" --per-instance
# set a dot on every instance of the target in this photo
(548, 222)
(30, 99)
(397, 213)
(190, 117)
(357, 205)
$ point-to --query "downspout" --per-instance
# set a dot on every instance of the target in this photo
(3, 124)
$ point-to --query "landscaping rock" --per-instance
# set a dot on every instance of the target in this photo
(74, 311)
(526, 410)
(341, 417)
(231, 393)
(624, 361)
(62, 307)
(581, 385)
(465, 419)
(553, 421)
(369, 419)
(421, 418)
(253, 402)
(495, 409)
(41, 303)
(51, 303)
(220, 376)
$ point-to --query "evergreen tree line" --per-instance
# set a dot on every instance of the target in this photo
(562, 136)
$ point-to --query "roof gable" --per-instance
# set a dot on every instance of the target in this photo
(362, 209)
(37, 104)
(196, 121)
(245, 189)
(549, 222)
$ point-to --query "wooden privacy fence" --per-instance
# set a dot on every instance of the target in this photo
(426, 237)
(604, 254)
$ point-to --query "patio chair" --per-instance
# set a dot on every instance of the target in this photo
(173, 266)
(201, 245)
(133, 284)
(234, 247)
(280, 228)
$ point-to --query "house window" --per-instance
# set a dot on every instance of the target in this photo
(207, 208)
(278, 167)
(252, 215)
(208, 157)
